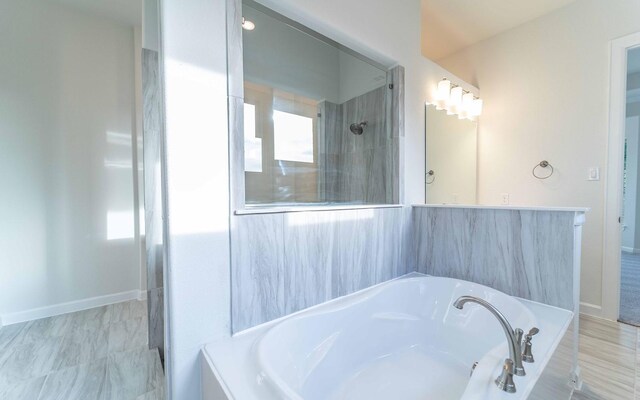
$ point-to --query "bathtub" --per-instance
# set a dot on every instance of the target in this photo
(402, 339)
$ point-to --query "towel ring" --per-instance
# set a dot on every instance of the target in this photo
(542, 164)
(432, 175)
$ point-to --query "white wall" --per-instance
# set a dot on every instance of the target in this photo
(67, 115)
(196, 201)
(546, 96)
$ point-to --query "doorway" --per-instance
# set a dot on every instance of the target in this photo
(621, 256)
(630, 249)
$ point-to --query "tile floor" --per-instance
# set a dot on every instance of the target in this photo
(100, 353)
(609, 359)
(630, 288)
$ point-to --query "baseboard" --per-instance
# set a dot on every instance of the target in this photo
(71, 306)
(142, 295)
(590, 309)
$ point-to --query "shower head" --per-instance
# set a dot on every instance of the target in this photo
(358, 128)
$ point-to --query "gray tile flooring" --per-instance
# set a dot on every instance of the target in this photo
(100, 354)
(630, 289)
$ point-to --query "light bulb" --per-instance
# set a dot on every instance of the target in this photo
(455, 100)
(476, 109)
(442, 94)
(248, 25)
(467, 104)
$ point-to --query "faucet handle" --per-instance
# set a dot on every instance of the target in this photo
(533, 331)
(527, 354)
(505, 380)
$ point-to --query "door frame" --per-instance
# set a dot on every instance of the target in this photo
(613, 192)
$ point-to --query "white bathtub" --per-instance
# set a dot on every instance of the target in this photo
(399, 340)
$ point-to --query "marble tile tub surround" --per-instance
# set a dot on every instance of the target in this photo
(282, 263)
(527, 253)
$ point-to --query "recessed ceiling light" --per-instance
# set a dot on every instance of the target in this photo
(248, 25)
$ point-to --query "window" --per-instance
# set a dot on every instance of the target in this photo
(293, 137)
(252, 144)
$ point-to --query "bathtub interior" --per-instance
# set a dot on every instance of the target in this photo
(407, 332)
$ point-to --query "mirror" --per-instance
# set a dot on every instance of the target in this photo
(451, 158)
(317, 118)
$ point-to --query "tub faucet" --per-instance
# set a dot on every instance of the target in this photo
(513, 336)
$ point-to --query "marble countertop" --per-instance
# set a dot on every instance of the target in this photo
(500, 207)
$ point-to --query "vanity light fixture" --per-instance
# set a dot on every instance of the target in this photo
(248, 25)
(467, 103)
(457, 101)
(442, 94)
(476, 108)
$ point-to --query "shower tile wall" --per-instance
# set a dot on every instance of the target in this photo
(527, 254)
(152, 130)
(282, 263)
(361, 168)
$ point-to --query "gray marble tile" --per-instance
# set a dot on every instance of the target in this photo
(155, 301)
(397, 133)
(333, 129)
(131, 334)
(522, 253)
(378, 176)
(126, 310)
(236, 151)
(151, 91)
(131, 374)
(23, 390)
(257, 249)
(283, 263)
(29, 360)
(548, 252)
(408, 256)
(81, 346)
(87, 381)
(156, 394)
(9, 333)
(50, 327)
(93, 318)
(309, 244)
(397, 102)
(397, 169)
(355, 256)
(152, 124)
(362, 172)
(235, 67)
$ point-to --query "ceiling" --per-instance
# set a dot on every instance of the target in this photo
(451, 25)
(126, 12)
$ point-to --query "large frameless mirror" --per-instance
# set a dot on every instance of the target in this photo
(451, 158)
(318, 118)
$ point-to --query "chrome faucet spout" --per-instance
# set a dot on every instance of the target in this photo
(512, 335)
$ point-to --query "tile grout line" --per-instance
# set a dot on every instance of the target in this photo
(46, 378)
